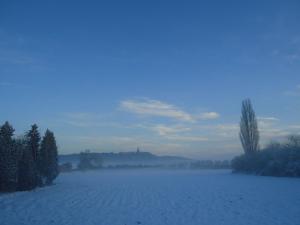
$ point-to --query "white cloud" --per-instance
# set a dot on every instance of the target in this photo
(227, 130)
(165, 130)
(271, 132)
(294, 127)
(186, 138)
(228, 127)
(270, 128)
(267, 119)
(209, 116)
(266, 124)
(177, 133)
(150, 107)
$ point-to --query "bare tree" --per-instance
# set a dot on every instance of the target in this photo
(249, 134)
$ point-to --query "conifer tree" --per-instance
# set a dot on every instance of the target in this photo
(7, 158)
(33, 145)
(49, 166)
(26, 167)
(34, 139)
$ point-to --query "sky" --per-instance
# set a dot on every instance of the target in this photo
(167, 76)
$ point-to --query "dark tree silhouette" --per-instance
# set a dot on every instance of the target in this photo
(24, 164)
(26, 168)
(49, 158)
(6, 134)
(249, 134)
(34, 139)
(8, 159)
(33, 145)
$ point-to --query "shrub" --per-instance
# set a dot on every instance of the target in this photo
(274, 160)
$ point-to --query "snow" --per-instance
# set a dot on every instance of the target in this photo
(131, 197)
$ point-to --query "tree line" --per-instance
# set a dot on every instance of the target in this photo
(276, 159)
(28, 161)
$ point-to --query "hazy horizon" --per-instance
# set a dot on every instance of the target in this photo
(167, 77)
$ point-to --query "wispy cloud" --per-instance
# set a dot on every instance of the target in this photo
(165, 130)
(186, 138)
(271, 132)
(267, 118)
(227, 130)
(295, 127)
(177, 133)
(209, 116)
(150, 107)
(270, 128)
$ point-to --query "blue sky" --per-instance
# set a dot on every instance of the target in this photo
(167, 76)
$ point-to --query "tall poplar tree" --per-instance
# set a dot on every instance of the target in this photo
(249, 134)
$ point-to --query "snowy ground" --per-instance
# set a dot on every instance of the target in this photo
(156, 197)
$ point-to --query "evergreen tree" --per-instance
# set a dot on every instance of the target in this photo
(49, 160)
(249, 134)
(34, 139)
(8, 160)
(26, 167)
(33, 145)
(23, 162)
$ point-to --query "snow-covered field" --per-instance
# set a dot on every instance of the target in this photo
(156, 197)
